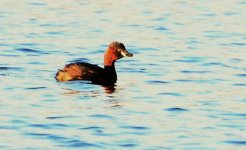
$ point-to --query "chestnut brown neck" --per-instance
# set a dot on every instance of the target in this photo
(109, 60)
(110, 57)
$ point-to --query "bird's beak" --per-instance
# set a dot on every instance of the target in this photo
(125, 53)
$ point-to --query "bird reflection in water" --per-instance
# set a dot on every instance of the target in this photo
(109, 89)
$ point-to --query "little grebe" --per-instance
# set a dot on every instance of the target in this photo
(94, 73)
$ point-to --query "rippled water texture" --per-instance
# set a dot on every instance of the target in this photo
(183, 89)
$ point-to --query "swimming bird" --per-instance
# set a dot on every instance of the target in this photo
(94, 73)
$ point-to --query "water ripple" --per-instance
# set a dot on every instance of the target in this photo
(172, 94)
(28, 44)
(8, 127)
(239, 84)
(198, 72)
(64, 141)
(236, 142)
(38, 4)
(128, 145)
(48, 126)
(191, 59)
(157, 82)
(91, 128)
(30, 51)
(134, 127)
(60, 117)
(55, 33)
(102, 116)
(79, 60)
(5, 68)
(239, 44)
(36, 88)
(79, 144)
(176, 109)
(161, 29)
(11, 68)
(47, 136)
(241, 75)
(51, 25)
(235, 114)
(197, 81)
(214, 64)
(230, 14)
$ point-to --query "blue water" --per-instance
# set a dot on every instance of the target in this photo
(183, 89)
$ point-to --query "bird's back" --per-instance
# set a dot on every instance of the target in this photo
(85, 71)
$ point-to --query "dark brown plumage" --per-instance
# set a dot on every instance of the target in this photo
(94, 73)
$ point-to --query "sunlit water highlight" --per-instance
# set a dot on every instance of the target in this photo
(183, 89)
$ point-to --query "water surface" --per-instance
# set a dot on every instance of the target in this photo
(183, 89)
